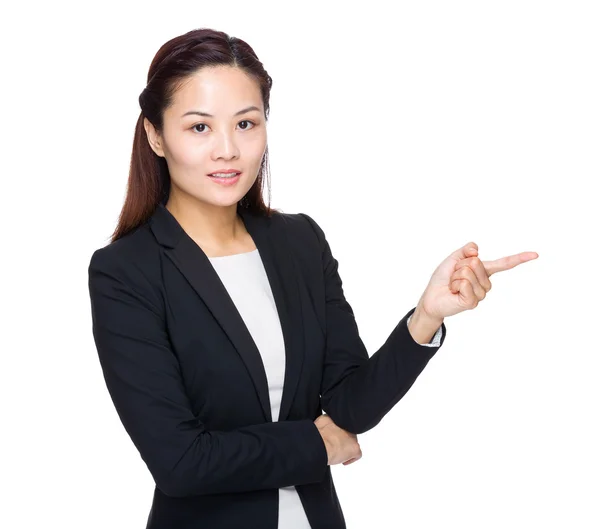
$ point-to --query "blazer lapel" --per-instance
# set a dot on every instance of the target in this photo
(274, 249)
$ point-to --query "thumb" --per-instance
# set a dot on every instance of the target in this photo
(466, 251)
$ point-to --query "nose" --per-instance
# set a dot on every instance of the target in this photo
(225, 146)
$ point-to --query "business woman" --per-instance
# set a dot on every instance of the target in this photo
(221, 324)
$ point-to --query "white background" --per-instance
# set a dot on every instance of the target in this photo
(406, 130)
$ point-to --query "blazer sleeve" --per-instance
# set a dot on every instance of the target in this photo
(357, 391)
(143, 378)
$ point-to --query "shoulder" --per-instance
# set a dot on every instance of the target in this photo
(134, 259)
(302, 228)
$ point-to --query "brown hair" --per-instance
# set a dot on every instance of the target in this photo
(149, 180)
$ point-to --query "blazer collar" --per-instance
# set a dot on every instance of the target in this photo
(274, 248)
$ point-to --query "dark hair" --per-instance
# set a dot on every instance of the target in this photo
(149, 180)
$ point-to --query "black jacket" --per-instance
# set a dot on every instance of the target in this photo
(190, 388)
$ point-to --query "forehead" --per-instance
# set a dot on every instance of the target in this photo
(217, 90)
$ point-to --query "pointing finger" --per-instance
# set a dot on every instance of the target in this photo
(506, 263)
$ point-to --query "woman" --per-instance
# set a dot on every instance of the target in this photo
(221, 324)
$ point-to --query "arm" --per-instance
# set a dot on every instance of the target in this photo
(143, 378)
(358, 391)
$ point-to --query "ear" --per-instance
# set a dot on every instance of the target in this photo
(154, 139)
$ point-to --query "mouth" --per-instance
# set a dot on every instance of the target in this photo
(227, 174)
(225, 178)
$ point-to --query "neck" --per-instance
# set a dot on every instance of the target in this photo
(209, 226)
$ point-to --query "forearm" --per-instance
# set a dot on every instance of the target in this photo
(360, 397)
(255, 457)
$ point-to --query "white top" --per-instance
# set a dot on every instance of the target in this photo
(246, 281)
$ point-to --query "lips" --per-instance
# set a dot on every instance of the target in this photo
(229, 180)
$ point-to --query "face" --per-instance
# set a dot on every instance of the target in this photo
(195, 145)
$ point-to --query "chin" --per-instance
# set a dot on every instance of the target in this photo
(223, 203)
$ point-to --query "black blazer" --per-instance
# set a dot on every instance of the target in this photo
(190, 388)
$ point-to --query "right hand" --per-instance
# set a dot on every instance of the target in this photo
(342, 446)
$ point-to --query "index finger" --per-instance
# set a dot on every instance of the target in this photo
(506, 263)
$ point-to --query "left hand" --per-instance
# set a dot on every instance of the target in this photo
(461, 281)
(324, 420)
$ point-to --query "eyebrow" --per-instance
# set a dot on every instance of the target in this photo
(206, 114)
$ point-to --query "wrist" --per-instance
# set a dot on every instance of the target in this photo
(422, 326)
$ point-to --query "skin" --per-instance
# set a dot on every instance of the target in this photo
(194, 146)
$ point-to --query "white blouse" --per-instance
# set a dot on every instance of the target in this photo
(246, 281)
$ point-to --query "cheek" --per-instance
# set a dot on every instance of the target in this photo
(255, 147)
(188, 153)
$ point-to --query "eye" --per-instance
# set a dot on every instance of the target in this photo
(247, 121)
(204, 125)
(198, 125)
